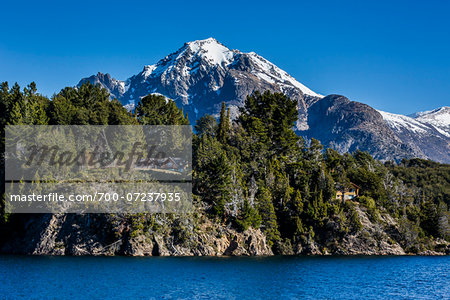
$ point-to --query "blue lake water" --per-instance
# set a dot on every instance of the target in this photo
(39, 277)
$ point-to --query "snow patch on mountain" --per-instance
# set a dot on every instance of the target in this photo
(188, 60)
(202, 74)
(271, 73)
(148, 70)
(165, 97)
(438, 118)
(116, 88)
(401, 122)
(427, 133)
(211, 50)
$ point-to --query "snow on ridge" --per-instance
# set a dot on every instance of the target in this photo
(441, 131)
(216, 53)
(115, 87)
(419, 114)
(439, 117)
(399, 122)
(148, 70)
(123, 86)
(212, 51)
(165, 97)
(276, 73)
(428, 112)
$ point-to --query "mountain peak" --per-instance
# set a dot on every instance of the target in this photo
(202, 74)
(439, 118)
(210, 50)
(207, 72)
(209, 40)
(443, 109)
(116, 88)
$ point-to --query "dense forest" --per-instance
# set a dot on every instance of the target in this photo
(256, 172)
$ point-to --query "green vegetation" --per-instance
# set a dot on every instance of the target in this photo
(256, 172)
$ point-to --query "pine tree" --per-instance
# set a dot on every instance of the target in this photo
(277, 113)
(248, 217)
(119, 115)
(297, 204)
(268, 216)
(291, 224)
(206, 125)
(84, 105)
(158, 110)
(429, 218)
(224, 125)
(212, 176)
(38, 115)
(16, 116)
(5, 103)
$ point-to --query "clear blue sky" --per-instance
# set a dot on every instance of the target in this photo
(392, 55)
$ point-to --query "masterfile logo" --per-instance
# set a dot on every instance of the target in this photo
(100, 169)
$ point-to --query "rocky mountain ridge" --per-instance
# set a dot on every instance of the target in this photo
(428, 134)
(202, 74)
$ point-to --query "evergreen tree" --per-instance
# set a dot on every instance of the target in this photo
(206, 125)
(16, 116)
(212, 175)
(297, 209)
(85, 105)
(119, 115)
(224, 125)
(248, 217)
(27, 107)
(429, 219)
(158, 110)
(268, 216)
(277, 114)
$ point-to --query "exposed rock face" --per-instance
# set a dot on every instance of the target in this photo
(348, 125)
(94, 234)
(371, 240)
(60, 234)
(439, 118)
(115, 87)
(427, 133)
(102, 234)
(202, 74)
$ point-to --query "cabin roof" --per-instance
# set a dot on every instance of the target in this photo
(346, 185)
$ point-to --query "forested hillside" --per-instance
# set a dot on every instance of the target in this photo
(258, 188)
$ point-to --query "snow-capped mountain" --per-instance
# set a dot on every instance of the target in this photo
(426, 132)
(439, 118)
(202, 74)
(348, 126)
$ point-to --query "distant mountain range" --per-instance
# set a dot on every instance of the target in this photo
(427, 132)
(202, 74)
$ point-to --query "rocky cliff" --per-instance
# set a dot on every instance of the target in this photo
(103, 234)
(196, 235)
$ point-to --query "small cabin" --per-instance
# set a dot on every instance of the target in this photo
(169, 163)
(347, 192)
